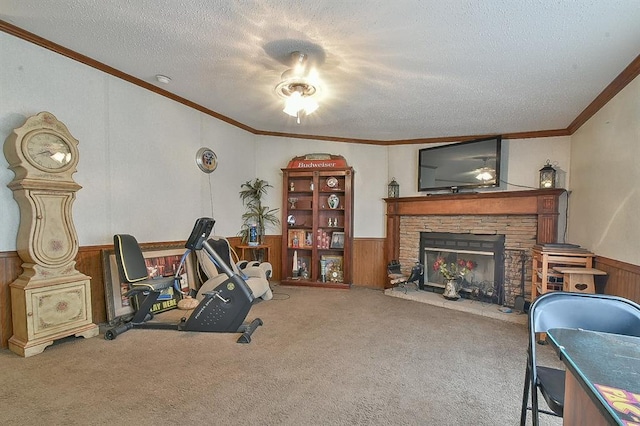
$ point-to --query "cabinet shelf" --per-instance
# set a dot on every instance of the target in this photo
(320, 224)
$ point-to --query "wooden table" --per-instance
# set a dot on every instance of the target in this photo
(241, 249)
(601, 384)
(578, 280)
(546, 258)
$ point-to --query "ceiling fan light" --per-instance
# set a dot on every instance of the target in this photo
(310, 105)
(485, 175)
(290, 110)
(297, 89)
(293, 104)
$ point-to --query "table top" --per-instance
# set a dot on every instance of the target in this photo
(607, 366)
(259, 246)
(574, 270)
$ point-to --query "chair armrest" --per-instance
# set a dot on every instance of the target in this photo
(153, 285)
(254, 272)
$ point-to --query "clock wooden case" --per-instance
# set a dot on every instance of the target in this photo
(50, 299)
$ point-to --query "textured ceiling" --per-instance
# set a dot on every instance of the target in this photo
(390, 70)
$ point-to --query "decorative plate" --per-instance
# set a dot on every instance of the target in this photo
(332, 182)
(206, 160)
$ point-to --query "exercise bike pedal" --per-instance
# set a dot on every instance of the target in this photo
(248, 329)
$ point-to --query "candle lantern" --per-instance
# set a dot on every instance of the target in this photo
(547, 176)
(394, 189)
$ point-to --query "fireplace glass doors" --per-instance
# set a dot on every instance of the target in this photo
(479, 258)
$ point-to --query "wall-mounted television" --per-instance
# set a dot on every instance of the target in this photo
(458, 166)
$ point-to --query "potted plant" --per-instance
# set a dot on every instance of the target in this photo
(257, 215)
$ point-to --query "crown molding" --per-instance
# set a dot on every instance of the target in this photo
(624, 78)
(620, 82)
(71, 54)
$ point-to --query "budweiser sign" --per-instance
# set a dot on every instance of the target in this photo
(318, 161)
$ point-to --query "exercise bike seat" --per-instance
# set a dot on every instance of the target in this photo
(133, 268)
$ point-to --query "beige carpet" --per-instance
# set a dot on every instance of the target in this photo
(323, 357)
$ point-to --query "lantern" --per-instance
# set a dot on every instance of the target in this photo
(547, 176)
(394, 188)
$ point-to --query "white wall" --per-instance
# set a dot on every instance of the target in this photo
(137, 150)
(370, 178)
(522, 160)
(604, 205)
(138, 174)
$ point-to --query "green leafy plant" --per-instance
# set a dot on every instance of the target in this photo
(251, 193)
(455, 269)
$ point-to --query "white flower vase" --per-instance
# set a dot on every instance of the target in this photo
(451, 290)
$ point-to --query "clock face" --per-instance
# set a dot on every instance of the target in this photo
(206, 160)
(332, 182)
(48, 152)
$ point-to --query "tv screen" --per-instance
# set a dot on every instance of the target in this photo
(464, 165)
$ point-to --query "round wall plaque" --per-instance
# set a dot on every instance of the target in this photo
(206, 160)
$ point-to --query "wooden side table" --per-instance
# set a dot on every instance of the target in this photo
(241, 250)
(544, 275)
(578, 280)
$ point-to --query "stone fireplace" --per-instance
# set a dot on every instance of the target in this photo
(483, 254)
(521, 218)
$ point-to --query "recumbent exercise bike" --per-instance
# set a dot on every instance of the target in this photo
(222, 310)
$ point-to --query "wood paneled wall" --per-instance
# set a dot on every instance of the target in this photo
(369, 264)
(10, 269)
(623, 279)
(368, 261)
(368, 254)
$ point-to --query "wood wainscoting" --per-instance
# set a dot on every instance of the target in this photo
(10, 269)
(369, 271)
(369, 264)
(623, 279)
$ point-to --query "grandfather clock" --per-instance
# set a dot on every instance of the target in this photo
(51, 299)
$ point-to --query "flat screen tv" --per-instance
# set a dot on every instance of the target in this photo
(458, 166)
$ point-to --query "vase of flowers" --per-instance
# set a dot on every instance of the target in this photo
(453, 272)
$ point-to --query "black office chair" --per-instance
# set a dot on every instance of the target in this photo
(595, 312)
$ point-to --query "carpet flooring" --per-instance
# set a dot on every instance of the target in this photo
(323, 357)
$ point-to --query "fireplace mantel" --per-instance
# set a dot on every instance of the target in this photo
(543, 203)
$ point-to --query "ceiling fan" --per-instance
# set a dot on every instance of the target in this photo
(298, 86)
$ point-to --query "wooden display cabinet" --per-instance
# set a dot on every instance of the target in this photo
(317, 227)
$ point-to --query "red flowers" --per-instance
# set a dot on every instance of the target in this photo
(452, 270)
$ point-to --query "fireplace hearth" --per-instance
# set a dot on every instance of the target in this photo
(485, 253)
